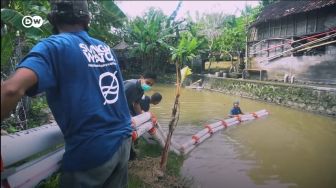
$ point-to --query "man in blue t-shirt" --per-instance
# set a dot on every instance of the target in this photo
(85, 92)
(235, 110)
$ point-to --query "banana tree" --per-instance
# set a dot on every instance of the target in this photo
(186, 50)
(147, 34)
(106, 18)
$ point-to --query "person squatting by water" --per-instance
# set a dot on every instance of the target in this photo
(145, 104)
(235, 109)
(146, 101)
(85, 92)
(134, 90)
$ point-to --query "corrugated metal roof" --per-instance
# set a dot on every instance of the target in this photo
(121, 46)
(286, 8)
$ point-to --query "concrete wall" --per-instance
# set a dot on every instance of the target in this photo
(319, 68)
(308, 98)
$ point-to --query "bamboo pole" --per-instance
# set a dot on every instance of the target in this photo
(318, 45)
(298, 47)
(290, 41)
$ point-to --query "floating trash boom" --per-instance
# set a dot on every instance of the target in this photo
(15, 148)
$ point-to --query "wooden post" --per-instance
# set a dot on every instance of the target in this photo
(286, 26)
(316, 20)
(306, 26)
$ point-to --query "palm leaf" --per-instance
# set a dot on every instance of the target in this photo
(113, 12)
(7, 48)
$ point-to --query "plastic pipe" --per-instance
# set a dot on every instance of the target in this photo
(30, 174)
(140, 119)
(144, 128)
(21, 145)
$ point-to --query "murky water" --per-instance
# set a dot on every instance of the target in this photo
(288, 148)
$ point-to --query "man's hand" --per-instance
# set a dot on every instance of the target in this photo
(14, 88)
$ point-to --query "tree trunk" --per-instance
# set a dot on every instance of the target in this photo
(174, 119)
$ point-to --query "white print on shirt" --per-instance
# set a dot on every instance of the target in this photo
(98, 54)
(111, 90)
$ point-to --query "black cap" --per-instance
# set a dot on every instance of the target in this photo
(78, 8)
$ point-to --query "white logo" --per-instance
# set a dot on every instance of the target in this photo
(97, 53)
(29, 21)
(111, 90)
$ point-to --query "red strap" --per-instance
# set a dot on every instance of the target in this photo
(238, 118)
(255, 115)
(210, 129)
(152, 131)
(5, 184)
(153, 118)
(134, 136)
(196, 138)
(2, 165)
(224, 124)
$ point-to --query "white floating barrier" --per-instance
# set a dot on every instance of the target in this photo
(31, 173)
(187, 150)
(140, 119)
(200, 134)
(218, 128)
(23, 144)
(14, 146)
(141, 129)
(230, 120)
(162, 140)
(157, 136)
(212, 126)
(210, 129)
(246, 117)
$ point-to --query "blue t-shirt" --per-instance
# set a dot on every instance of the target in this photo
(85, 92)
(236, 111)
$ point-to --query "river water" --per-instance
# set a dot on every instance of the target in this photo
(288, 148)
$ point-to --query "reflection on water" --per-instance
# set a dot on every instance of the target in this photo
(289, 148)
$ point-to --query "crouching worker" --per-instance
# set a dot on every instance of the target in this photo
(145, 103)
(235, 109)
(134, 90)
(87, 101)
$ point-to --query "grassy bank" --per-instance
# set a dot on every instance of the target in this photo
(143, 172)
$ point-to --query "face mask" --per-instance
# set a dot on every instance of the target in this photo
(146, 87)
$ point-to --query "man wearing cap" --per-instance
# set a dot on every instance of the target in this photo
(84, 88)
(235, 109)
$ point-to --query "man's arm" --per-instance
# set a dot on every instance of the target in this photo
(137, 108)
(241, 112)
(14, 88)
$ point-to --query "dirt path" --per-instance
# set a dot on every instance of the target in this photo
(148, 171)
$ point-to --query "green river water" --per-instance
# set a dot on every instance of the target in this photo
(288, 148)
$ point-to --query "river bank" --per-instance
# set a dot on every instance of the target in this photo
(320, 100)
(145, 170)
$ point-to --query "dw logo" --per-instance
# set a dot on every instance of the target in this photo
(29, 21)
